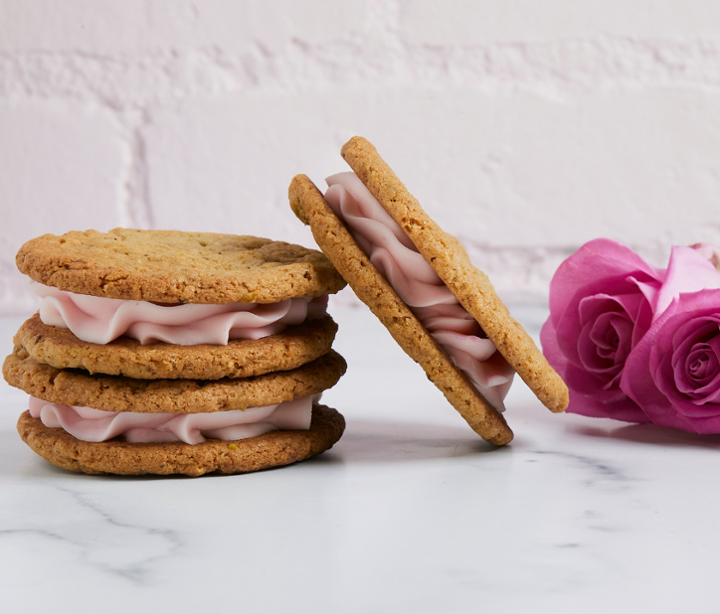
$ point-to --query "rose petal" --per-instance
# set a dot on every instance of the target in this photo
(701, 365)
(687, 271)
(691, 339)
(612, 334)
(626, 296)
(590, 354)
(604, 387)
(708, 251)
(637, 381)
(598, 260)
(708, 384)
(624, 409)
(549, 344)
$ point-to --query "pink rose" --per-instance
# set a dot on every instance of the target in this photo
(602, 301)
(674, 372)
(634, 342)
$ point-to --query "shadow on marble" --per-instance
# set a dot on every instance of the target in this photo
(376, 441)
(651, 434)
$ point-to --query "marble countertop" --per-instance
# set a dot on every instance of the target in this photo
(409, 512)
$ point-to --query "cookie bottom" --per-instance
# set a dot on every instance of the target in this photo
(165, 458)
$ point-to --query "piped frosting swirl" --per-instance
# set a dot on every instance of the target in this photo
(96, 425)
(101, 320)
(392, 252)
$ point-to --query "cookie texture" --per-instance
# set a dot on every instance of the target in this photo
(373, 289)
(169, 266)
(180, 396)
(118, 457)
(292, 348)
(448, 258)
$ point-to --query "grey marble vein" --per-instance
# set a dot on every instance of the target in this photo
(93, 535)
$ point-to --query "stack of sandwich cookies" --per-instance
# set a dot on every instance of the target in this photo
(230, 354)
(420, 283)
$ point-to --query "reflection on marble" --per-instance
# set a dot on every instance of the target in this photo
(409, 512)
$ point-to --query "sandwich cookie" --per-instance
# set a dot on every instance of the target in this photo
(103, 424)
(148, 344)
(419, 281)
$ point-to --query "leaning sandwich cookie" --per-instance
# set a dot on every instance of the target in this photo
(420, 283)
(170, 352)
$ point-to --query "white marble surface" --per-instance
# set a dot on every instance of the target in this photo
(410, 512)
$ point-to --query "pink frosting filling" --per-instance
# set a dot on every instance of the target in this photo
(393, 254)
(101, 320)
(88, 424)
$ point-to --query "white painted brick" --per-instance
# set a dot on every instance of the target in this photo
(516, 171)
(61, 168)
(468, 22)
(224, 165)
(130, 26)
(641, 168)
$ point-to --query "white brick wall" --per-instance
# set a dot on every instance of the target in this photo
(525, 127)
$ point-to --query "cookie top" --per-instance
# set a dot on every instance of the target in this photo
(179, 396)
(170, 266)
(272, 449)
(448, 258)
(293, 347)
(374, 290)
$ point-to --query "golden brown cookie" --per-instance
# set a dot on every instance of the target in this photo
(169, 266)
(111, 393)
(373, 289)
(290, 349)
(272, 449)
(448, 258)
